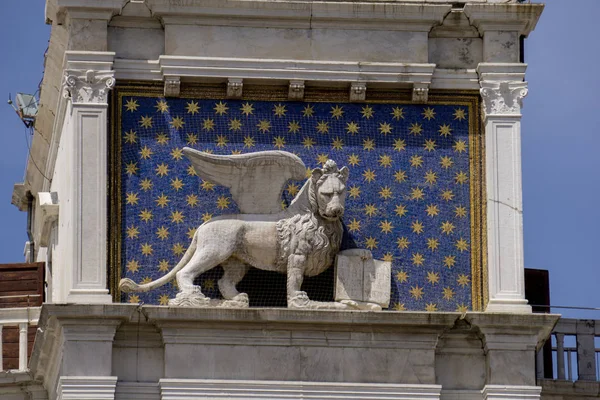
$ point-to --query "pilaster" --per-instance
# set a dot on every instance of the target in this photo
(87, 82)
(502, 91)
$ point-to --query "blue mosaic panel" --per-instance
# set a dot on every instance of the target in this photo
(408, 192)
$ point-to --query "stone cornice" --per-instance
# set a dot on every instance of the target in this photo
(503, 17)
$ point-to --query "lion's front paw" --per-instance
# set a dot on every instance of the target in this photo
(298, 300)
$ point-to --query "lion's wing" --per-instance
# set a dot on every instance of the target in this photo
(255, 180)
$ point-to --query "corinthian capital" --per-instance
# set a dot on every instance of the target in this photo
(88, 86)
(503, 98)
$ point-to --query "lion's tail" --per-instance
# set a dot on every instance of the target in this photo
(127, 285)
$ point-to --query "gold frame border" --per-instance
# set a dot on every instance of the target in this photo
(468, 98)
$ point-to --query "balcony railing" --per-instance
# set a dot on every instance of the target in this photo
(575, 354)
(23, 319)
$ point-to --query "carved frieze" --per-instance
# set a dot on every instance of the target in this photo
(503, 98)
(88, 86)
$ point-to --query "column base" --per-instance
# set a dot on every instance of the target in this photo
(519, 306)
(86, 387)
(89, 296)
(509, 392)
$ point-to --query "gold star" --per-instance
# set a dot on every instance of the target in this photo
(449, 261)
(417, 227)
(146, 122)
(235, 124)
(446, 162)
(461, 177)
(460, 146)
(292, 189)
(461, 308)
(222, 202)
(354, 192)
(308, 111)
(247, 109)
(222, 140)
(447, 227)
(399, 307)
(431, 307)
(417, 194)
(433, 277)
(146, 152)
(337, 144)
(177, 154)
(463, 280)
(445, 130)
(367, 112)
(191, 232)
(209, 284)
(428, 113)
(191, 200)
(161, 106)
(249, 141)
(385, 192)
(264, 126)
(130, 137)
(432, 244)
(402, 243)
(368, 144)
(386, 226)
(401, 276)
(206, 217)
(459, 114)
(370, 210)
(279, 110)
(369, 175)
(293, 127)
(416, 161)
(323, 127)
(388, 257)
(147, 249)
(429, 145)
(322, 158)
(145, 215)
(132, 198)
(448, 293)
(371, 243)
(236, 152)
(398, 113)
(131, 105)
(418, 259)
(221, 108)
(460, 211)
(133, 266)
(416, 129)
(399, 145)
(416, 292)
(337, 112)
(400, 176)
(191, 171)
(430, 177)
(352, 127)
(353, 160)
(176, 217)
(162, 138)
(432, 210)
(385, 128)
(163, 300)
(401, 210)
(162, 233)
(462, 245)
(131, 168)
(192, 107)
(162, 169)
(178, 249)
(279, 142)
(133, 232)
(208, 124)
(134, 299)
(146, 184)
(385, 161)
(447, 195)
(162, 200)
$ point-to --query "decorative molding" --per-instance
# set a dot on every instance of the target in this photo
(181, 389)
(503, 98)
(358, 91)
(511, 392)
(234, 88)
(420, 93)
(172, 86)
(88, 86)
(296, 90)
(503, 17)
(47, 215)
(86, 387)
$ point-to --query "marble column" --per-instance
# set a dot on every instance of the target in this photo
(502, 91)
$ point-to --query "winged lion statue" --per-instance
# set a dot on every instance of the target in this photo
(300, 241)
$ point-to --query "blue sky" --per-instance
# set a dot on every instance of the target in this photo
(561, 187)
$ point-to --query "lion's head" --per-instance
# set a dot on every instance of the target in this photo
(328, 194)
